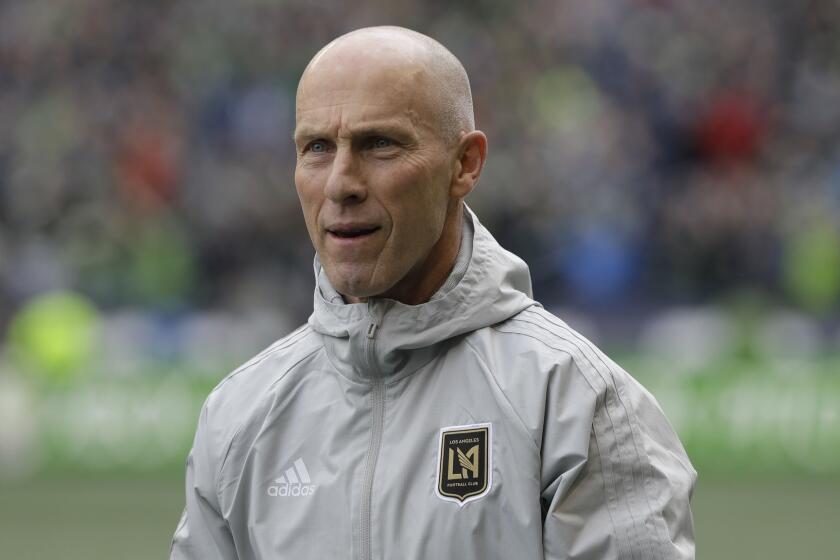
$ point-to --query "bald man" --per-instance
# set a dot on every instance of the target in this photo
(430, 408)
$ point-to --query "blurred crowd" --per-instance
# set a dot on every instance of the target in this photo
(643, 153)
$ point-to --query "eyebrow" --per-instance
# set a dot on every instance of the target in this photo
(384, 128)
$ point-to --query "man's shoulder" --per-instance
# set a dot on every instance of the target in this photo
(542, 333)
(241, 387)
(538, 327)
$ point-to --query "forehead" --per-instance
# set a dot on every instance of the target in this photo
(339, 92)
(345, 114)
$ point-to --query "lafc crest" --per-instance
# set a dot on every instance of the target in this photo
(465, 467)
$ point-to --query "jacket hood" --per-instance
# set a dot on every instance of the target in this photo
(383, 337)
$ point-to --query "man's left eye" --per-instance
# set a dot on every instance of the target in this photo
(380, 142)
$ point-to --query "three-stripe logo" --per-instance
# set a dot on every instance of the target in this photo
(294, 482)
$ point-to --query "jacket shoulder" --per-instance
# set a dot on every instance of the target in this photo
(621, 402)
(550, 337)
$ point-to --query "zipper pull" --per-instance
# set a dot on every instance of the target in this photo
(372, 328)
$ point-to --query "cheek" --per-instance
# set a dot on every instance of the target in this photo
(418, 211)
(307, 191)
(310, 203)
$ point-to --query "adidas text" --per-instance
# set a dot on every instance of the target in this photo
(282, 490)
(294, 482)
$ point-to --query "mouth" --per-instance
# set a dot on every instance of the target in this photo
(352, 232)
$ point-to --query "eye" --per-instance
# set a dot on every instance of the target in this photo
(380, 142)
(317, 146)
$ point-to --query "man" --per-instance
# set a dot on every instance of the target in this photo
(430, 408)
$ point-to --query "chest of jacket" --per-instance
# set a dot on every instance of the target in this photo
(429, 465)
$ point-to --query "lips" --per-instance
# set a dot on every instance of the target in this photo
(352, 231)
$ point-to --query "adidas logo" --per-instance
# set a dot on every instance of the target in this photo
(294, 482)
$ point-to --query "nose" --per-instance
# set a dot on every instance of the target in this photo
(345, 184)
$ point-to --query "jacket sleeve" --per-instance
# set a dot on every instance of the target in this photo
(202, 532)
(616, 479)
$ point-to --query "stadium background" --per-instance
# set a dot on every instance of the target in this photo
(669, 169)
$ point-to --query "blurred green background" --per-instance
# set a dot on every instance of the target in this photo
(669, 169)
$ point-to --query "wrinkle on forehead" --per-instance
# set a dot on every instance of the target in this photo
(371, 86)
(348, 120)
(342, 78)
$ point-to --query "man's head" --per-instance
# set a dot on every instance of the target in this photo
(386, 152)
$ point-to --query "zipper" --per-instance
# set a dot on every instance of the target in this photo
(377, 410)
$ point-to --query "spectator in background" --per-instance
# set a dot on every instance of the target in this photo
(687, 145)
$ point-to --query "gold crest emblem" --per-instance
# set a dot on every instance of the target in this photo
(465, 463)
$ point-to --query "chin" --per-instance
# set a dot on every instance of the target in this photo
(354, 285)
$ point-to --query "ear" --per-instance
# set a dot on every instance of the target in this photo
(471, 153)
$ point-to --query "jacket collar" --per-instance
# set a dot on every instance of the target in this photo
(386, 338)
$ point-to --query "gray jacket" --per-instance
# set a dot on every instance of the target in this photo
(474, 426)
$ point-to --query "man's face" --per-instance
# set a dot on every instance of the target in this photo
(373, 174)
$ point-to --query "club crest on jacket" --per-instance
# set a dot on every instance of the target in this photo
(465, 470)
